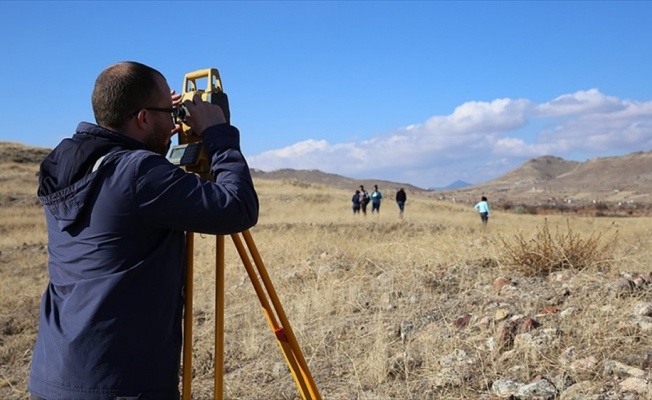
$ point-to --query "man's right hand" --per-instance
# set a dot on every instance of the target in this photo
(202, 115)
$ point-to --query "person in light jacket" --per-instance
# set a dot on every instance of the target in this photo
(483, 209)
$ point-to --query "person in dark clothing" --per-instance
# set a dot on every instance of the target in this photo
(401, 198)
(116, 212)
(356, 202)
(364, 200)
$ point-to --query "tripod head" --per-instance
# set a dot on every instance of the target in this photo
(190, 153)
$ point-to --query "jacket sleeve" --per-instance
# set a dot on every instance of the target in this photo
(171, 198)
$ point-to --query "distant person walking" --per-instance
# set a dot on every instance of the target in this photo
(364, 200)
(356, 202)
(376, 197)
(483, 209)
(401, 198)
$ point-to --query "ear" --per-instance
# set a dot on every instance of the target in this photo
(142, 119)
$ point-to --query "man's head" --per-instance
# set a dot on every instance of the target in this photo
(128, 98)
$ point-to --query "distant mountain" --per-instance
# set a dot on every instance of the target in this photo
(550, 179)
(452, 186)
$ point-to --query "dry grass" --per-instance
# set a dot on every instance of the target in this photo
(546, 253)
(381, 306)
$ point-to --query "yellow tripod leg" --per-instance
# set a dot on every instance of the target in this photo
(285, 337)
(187, 321)
(219, 319)
(285, 323)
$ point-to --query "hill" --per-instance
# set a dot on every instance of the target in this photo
(11, 152)
(314, 176)
(552, 180)
(546, 180)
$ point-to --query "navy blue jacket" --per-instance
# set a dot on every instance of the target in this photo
(110, 320)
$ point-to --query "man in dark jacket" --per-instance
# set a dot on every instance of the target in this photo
(401, 198)
(116, 211)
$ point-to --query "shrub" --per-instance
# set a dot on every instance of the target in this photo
(546, 253)
(519, 209)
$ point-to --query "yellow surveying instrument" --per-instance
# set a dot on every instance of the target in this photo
(190, 153)
(191, 156)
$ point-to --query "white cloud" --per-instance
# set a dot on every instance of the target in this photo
(479, 140)
(579, 103)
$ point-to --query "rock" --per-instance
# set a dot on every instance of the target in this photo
(456, 359)
(455, 369)
(586, 390)
(643, 309)
(484, 322)
(620, 370)
(623, 286)
(647, 361)
(562, 382)
(584, 364)
(462, 321)
(541, 389)
(500, 282)
(529, 324)
(636, 385)
(567, 356)
(506, 333)
(562, 276)
(567, 312)
(501, 314)
(538, 340)
(505, 388)
(548, 310)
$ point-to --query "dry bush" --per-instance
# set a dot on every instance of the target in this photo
(546, 252)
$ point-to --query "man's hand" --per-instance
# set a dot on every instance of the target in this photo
(176, 100)
(202, 115)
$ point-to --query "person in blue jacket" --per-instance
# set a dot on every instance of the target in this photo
(116, 212)
(483, 208)
(355, 202)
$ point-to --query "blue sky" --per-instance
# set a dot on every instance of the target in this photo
(418, 92)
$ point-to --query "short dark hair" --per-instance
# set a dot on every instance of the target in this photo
(121, 90)
(483, 198)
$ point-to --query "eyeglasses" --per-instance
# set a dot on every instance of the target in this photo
(174, 112)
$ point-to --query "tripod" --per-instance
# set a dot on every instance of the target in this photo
(274, 313)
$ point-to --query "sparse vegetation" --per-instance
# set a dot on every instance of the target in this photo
(424, 307)
(546, 252)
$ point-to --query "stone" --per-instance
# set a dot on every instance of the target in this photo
(541, 389)
(585, 390)
(500, 282)
(505, 388)
(620, 370)
(501, 314)
(636, 385)
(643, 309)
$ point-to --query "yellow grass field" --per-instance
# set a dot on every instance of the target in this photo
(384, 307)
